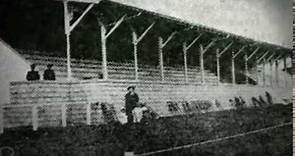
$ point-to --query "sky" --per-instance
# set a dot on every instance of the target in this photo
(264, 20)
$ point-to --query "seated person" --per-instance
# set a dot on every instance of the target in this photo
(138, 112)
(49, 73)
(33, 75)
(122, 117)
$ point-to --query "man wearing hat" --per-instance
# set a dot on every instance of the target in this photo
(131, 100)
(49, 73)
(33, 75)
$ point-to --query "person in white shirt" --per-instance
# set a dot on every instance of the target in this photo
(138, 112)
(122, 117)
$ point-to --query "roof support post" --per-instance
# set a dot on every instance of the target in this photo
(104, 52)
(202, 64)
(256, 71)
(68, 28)
(263, 60)
(271, 73)
(202, 52)
(162, 44)
(185, 49)
(135, 41)
(67, 33)
(246, 63)
(277, 73)
(218, 55)
(104, 35)
(270, 69)
(233, 64)
(246, 68)
(277, 61)
(263, 72)
(185, 62)
(285, 69)
(218, 66)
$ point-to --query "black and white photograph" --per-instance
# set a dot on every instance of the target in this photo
(146, 77)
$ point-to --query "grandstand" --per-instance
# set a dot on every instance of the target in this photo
(83, 84)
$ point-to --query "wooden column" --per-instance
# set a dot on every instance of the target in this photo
(257, 71)
(104, 36)
(233, 75)
(246, 63)
(263, 60)
(246, 68)
(68, 28)
(185, 49)
(263, 72)
(162, 44)
(233, 64)
(134, 38)
(104, 52)
(271, 73)
(202, 52)
(202, 64)
(135, 41)
(285, 69)
(218, 55)
(218, 66)
(185, 62)
(67, 33)
(277, 72)
(161, 62)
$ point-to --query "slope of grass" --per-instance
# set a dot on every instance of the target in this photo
(114, 139)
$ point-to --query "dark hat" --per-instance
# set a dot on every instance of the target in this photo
(49, 65)
(33, 65)
(133, 87)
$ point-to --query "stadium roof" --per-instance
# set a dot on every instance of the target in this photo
(135, 4)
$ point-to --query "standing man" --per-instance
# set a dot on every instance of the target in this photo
(33, 75)
(49, 73)
(131, 100)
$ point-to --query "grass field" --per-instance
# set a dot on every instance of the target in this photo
(114, 139)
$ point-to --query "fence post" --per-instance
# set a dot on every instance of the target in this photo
(1, 119)
(88, 114)
(129, 154)
(63, 115)
(35, 117)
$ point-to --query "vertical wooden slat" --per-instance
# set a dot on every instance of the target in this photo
(34, 118)
(63, 115)
(88, 114)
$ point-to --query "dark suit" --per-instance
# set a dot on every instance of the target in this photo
(33, 75)
(130, 103)
(49, 74)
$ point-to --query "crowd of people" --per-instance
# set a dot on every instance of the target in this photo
(34, 75)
